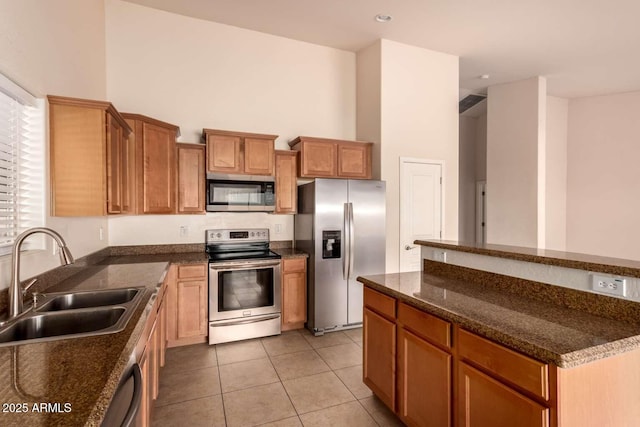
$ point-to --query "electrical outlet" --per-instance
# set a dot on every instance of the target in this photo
(440, 256)
(609, 284)
(101, 233)
(184, 231)
(278, 229)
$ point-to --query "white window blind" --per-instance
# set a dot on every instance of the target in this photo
(21, 163)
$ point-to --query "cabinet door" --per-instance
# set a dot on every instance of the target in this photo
(354, 161)
(424, 382)
(77, 160)
(191, 178)
(158, 169)
(294, 300)
(483, 401)
(286, 186)
(114, 166)
(192, 308)
(223, 154)
(258, 156)
(129, 172)
(319, 159)
(380, 357)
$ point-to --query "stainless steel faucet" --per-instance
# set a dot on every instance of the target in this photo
(16, 293)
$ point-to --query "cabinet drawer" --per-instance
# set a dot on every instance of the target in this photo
(425, 325)
(192, 271)
(294, 265)
(381, 303)
(519, 370)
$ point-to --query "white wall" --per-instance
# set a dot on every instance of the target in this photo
(419, 111)
(467, 178)
(556, 173)
(55, 48)
(603, 193)
(199, 74)
(516, 119)
(481, 147)
(369, 102)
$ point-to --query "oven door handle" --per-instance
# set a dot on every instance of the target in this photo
(243, 266)
(245, 322)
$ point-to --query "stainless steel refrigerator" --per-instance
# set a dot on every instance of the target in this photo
(341, 225)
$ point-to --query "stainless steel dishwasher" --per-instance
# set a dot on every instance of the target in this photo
(126, 400)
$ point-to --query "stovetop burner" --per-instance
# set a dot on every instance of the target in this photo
(233, 245)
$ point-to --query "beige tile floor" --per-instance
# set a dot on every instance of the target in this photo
(294, 379)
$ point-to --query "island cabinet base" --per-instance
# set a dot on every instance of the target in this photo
(434, 373)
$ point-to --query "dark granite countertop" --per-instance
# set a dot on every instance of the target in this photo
(622, 267)
(83, 372)
(548, 332)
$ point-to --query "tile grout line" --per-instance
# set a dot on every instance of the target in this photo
(224, 410)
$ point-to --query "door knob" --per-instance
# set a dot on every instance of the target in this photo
(408, 248)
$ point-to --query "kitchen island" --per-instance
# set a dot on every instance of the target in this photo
(453, 345)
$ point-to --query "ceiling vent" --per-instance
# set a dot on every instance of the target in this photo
(469, 101)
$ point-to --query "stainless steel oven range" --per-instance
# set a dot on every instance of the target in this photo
(244, 285)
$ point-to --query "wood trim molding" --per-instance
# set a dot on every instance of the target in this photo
(206, 132)
(151, 120)
(90, 103)
(300, 139)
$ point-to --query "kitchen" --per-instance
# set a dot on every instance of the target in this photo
(90, 67)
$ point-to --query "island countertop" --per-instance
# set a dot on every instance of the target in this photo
(545, 331)
(618, 266)
(82, 372)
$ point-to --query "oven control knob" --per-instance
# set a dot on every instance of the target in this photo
(253, 234)
(219, 235)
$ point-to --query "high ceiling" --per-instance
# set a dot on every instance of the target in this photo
(583, 47)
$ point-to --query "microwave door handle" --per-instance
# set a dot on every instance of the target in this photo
(345, 239)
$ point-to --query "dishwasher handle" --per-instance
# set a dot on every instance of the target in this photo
(136, 399)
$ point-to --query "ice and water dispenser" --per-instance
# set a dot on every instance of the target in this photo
(331, 244)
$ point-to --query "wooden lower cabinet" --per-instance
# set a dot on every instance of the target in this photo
(484, 401)
(424, 382)
(294, 293)
(379, 364)
(448, 376)
(150, 356)
(187, 320)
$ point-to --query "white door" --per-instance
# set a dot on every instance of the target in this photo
(420, 208)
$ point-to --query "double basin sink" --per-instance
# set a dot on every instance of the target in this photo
(65, 315)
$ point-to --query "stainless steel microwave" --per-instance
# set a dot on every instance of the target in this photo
(240, 193)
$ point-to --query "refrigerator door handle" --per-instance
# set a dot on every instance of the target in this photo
(347, 244)
(352, 237)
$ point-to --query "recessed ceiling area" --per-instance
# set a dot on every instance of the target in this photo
(582, 47)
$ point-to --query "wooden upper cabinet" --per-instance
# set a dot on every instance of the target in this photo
(231, 152)
(155, 143)
(86, 141)
(354, 160)
(223, 154)
(191, 178)
(258, 156)
(286, 185)
(332, 158)
(114, 166)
